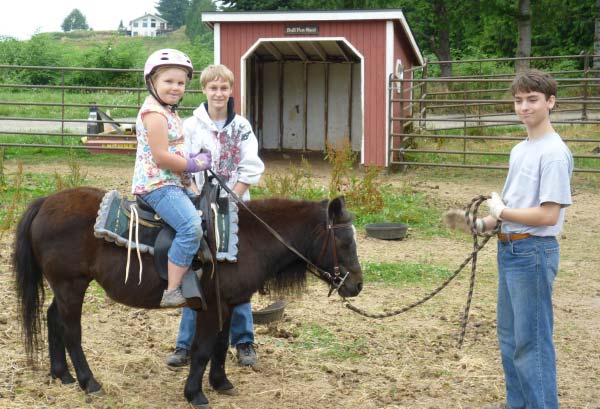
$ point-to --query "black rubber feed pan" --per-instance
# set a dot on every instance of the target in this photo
(270, 313)
(386, 231)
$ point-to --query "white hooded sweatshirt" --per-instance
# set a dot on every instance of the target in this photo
(234, 148)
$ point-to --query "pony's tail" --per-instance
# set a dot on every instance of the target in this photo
(28, 280)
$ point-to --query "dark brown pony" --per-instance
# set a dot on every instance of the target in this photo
(55, 240)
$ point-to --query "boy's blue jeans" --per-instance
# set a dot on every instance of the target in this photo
(174, 206)
(526, 272)
(241, 330)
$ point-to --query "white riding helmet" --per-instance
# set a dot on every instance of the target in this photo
(167, 56)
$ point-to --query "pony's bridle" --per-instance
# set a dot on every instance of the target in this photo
(334, 280)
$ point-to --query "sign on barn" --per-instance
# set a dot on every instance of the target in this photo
(312, 78)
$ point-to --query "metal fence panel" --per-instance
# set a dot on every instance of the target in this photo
(450, 121)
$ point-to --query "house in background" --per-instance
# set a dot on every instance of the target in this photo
(148, 25)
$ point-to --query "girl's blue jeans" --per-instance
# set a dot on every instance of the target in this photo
(526, 272)
(241, 330)
(174, 206)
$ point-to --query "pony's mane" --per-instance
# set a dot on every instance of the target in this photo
(276, 213)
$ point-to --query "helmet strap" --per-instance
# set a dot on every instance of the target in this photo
(152, 91)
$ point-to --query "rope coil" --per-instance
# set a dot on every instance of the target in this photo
(470, 215)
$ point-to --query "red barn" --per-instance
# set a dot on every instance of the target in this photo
(311, 78)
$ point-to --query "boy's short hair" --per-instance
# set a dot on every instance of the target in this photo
(214, 72)
(533, 80)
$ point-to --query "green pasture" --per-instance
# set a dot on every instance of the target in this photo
(502, 147)
(46, 103)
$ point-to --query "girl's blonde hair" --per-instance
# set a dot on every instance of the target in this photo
(214, 72)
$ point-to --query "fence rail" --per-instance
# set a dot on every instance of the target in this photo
(52, 111)
(452, 121)
(433, 121)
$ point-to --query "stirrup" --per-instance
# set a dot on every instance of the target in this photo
(192, 291)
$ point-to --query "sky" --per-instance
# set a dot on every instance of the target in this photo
(23, 18)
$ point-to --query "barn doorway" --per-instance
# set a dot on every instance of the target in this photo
(301, 94)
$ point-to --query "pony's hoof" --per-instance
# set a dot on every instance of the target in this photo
(223, 386)
(229, 392)
(200, 402)
(65, 379)
(93, 387)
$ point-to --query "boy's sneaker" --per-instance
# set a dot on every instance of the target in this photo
(180, 357)
(172, 299)
(246, 354)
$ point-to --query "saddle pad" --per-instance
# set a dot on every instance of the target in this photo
(227, 224)
(112, 223)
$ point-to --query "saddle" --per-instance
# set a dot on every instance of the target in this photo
(135, 225)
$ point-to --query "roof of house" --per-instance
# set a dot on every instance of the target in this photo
(149, 15)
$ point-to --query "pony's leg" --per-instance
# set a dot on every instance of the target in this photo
(70, 300)
(217, 376)
(202, 350)
(56, 346)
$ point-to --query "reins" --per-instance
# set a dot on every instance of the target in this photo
(471, 215)
(335, 280)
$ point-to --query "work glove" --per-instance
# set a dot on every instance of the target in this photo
(478, 224)
(199, 161)
(496, 205)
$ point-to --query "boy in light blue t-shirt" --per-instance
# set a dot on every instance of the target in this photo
(532, 207)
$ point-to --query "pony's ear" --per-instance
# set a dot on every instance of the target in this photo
(336, 208)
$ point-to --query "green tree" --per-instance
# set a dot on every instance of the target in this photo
(74, 21)
(174, 11)
(194, 27)
(524, 26)
(458, 29)
(597, 40)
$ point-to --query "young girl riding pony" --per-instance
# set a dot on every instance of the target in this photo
(161, 162)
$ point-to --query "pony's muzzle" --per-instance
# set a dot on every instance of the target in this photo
(349, 288)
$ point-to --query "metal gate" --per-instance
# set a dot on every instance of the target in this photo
(467, 120)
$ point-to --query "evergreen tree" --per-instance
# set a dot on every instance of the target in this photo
(174, 11)
(524, 43)
(597, 41)
(194, 27)
(74, 21)
(458, 29)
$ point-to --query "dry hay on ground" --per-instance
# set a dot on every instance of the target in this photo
(408, 361)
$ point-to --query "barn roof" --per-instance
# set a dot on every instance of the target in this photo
(210, 18)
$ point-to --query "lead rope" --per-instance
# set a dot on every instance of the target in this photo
(134, 215)
(470, 214)
(213, 207)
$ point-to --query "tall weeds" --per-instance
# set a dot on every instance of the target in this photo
(74, 178)
(12, 209)
(297, 183)
(361, 193)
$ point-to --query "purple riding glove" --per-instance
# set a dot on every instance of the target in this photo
(199, 161)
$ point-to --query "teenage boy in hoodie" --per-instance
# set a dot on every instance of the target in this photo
(215, 127)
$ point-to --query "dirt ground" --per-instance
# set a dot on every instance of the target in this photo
(407, 361)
